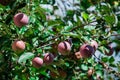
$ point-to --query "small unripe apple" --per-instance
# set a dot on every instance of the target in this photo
(64, 48)
(86, 50)
(20, 19)
(94, 44)
(48, 58)
(37, 62)
(78, 55)
(111, 50)
(18, 45)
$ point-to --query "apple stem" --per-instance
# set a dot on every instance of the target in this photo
(96, 57)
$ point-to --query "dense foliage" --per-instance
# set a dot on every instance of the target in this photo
(63, 40)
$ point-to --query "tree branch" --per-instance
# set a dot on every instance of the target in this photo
(109, 69)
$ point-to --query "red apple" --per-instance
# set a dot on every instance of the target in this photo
(94, 44)
(48, 58)
(18, 45)
(20, 19)
(64, 48)
(86, 50)
(37, 62)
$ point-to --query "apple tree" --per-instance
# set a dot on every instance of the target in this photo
(59, 39)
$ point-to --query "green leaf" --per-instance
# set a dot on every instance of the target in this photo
(22, 30)
(67, 64)
(111, 59)
(110, 19)
(105, 8)
(41, 12)
(84, 67)
(99, 73)
(1, 58)
(85, 15)
(54, 23)
(43, 72)
(105, 59)
(71, 34)
(98, 67)
(79, 22)
(39, 50)
(89, 27)
(112, 65)
(2, 7)
(70, 13)
(24, 57)
(91, 60)
(68, 28)
(34, 78)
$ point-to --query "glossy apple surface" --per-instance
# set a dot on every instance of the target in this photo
(94, 44)
(37, 62)
(18, 45)
(86, 50)
(64, 48)
(48, 58)
(20, 19)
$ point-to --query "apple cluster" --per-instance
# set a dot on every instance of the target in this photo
(20, 19)
(47, 59)
(85, 51)
(64, 48)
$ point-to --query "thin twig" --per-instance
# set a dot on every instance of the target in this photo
(115, 35)
(109, 69)
(59, 35)
(46, 45)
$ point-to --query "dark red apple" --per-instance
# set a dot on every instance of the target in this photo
(48, 58)
(94, 44)
(18, 45)
(64, 48)
(20, 19)
(86, 50)
(37, 62)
